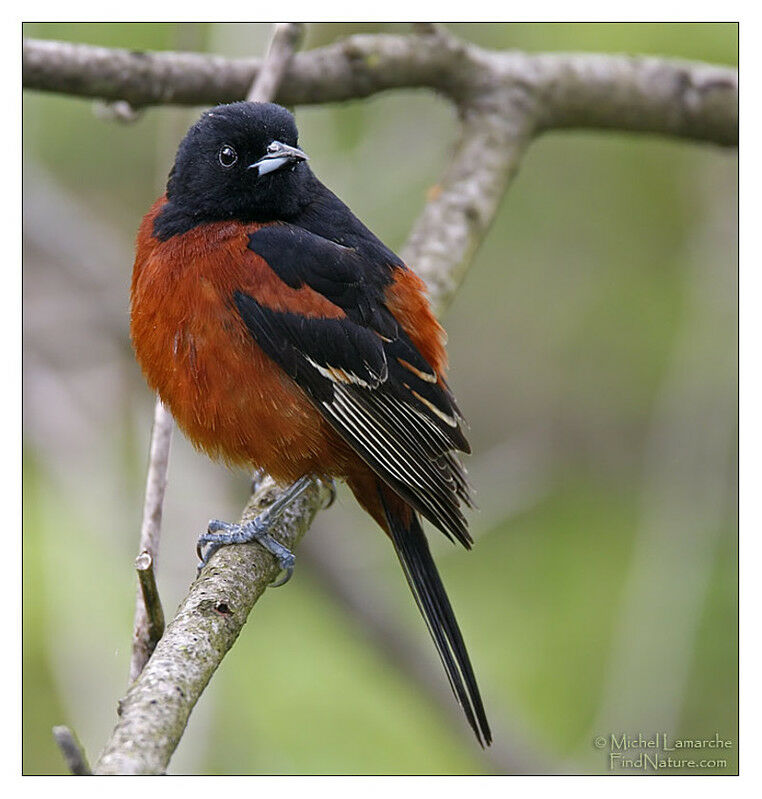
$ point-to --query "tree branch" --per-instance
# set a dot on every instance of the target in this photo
(493, 137)
(657, 95)
(286, 40)
(153, 715)
(72, 751)
(152, 623)
(147, 626)
(690, 100)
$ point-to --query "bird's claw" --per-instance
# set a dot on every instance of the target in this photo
(330, 484)
(210, 541)
(286, 564)
(221, 534)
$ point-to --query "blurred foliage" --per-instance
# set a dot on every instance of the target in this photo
(563, 338)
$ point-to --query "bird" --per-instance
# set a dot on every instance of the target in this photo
(284, 336)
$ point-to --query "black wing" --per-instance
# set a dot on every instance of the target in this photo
(364, 374)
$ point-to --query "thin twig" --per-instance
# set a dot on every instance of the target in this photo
(144, 625)
(286, 40)
(154, 625)
(72, 751)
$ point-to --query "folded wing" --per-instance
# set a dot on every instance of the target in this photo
(363, 372)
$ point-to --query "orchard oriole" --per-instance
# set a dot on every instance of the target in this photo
(283, 335)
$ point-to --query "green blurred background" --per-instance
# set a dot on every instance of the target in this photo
(593, 348)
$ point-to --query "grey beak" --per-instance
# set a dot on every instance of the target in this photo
(278, 155)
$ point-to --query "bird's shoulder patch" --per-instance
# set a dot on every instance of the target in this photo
(340, 273)
(406, 298)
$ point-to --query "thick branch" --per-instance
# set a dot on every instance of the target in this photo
(356, 67)
(658, 95)
(155, 711)
(689, 100)
(462, 206)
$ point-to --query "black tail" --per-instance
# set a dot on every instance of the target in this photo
(426, 585)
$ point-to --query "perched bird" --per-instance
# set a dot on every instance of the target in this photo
(284, 336)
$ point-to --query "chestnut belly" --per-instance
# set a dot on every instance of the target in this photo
(234, 403)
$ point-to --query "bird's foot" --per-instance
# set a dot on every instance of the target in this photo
(220, 534)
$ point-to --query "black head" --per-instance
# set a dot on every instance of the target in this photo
(239, 161)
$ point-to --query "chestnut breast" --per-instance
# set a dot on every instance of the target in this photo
(229, 398)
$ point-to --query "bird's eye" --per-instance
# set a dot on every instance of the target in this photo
(272, 147)
(227, 156)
